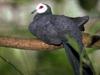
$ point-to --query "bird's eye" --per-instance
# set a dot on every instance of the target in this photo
(40, 7)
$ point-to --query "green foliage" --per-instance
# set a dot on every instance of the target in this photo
(53, 63)
(42, 63)
(95, 28)
(19, 59)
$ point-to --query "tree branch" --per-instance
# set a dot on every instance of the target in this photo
(38, 45)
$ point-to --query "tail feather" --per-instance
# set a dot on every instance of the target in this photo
(87, 70)
(74, 52)
(73, 58)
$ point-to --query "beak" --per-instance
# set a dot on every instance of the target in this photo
(33, 12)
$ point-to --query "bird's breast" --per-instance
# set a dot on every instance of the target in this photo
(45, 31)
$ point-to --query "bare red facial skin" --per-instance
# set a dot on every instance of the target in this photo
(40, 7)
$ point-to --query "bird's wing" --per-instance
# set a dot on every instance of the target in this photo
(69, 31)
(80, 21)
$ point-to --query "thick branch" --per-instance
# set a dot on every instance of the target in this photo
(38, 45)
(27, 44)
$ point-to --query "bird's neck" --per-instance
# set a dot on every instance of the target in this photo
(37, 16)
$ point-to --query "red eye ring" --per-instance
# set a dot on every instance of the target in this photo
(40, 7)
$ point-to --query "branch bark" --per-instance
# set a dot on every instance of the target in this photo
(38, 45)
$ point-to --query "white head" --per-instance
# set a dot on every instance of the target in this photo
(41, 8)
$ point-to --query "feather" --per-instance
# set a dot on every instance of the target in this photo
(73, 58)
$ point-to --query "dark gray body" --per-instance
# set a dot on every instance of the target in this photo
(53, 28)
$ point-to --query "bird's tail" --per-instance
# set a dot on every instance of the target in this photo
(87, 65)
(87, 70)
(74, 58)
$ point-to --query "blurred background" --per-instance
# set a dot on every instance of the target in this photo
(15, 16)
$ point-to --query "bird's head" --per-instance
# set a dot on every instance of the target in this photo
(42, 8)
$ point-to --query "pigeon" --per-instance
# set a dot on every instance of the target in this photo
(60, 30)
